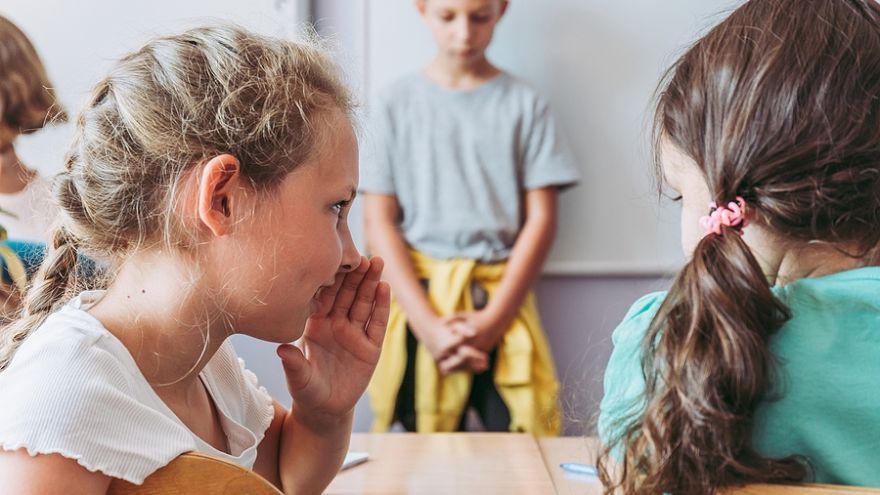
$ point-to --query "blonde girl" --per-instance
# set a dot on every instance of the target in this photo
(212, 173)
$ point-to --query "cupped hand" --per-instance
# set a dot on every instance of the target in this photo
(329, 367)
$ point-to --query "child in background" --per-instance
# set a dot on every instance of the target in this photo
(762, 361)
(213, 172)
(461, 200)
(27, 103)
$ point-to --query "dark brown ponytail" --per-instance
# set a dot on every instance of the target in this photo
(777, 104)
(709, 366)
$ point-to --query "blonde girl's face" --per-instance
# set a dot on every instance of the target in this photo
(298, 239)
(683, 176)
(462, 29)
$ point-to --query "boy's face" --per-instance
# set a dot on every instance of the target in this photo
(462, 28)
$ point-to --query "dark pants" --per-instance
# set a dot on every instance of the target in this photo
(484, 397)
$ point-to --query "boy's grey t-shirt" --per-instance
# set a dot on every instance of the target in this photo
(459, 162)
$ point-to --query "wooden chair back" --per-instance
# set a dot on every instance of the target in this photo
(194, 473)
(802, 489)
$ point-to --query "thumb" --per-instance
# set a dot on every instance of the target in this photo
(296, 367)
(450, 363)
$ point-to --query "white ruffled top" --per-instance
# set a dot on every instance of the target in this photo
(74, 389)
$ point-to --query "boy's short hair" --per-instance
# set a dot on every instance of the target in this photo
(27, 100)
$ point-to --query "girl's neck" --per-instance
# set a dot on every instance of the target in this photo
(814, 260)
(785, 261)
(14, 175)
(453, 75)
(156, 309)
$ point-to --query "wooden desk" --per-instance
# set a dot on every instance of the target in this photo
(557, 450)
(585, 450)
(447, 463)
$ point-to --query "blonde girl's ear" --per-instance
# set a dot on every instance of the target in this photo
(420, 6)
(217, 191)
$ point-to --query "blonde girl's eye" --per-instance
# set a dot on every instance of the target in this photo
(676, 198)
(340, 207)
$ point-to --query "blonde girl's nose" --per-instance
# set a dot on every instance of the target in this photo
(351, 257)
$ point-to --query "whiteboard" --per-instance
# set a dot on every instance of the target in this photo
(598, 62)
(78, 41)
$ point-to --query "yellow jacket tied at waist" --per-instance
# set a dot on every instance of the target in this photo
(524, 374)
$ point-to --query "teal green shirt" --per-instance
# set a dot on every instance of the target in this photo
(827, 404)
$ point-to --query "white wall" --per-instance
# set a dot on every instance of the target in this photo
(598, 61)
(78, 40)
(595, 57)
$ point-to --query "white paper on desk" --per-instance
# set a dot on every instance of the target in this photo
(353, 459)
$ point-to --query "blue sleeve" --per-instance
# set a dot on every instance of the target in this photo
(624, 382)
(31, 255)
(547, 160)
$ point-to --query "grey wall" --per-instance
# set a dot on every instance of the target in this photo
(579, 314)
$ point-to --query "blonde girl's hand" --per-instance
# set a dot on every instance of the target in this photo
(329, 367)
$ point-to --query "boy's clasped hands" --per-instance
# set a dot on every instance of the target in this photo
(462, 342)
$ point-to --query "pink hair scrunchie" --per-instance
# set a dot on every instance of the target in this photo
(733, 215)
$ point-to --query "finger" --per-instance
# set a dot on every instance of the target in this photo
(451, 319)
(449, 345)
(379, 318)
(478, 367)
(348, 290)
(462, 328)
(296, 367)
(473, 355)
(478, 363)
(462, 357)
(366, 294)
(451, 363)
(327, 295)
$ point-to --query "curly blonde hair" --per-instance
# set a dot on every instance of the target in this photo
(162, 110)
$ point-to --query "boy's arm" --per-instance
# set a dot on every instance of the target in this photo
(381, 213)
(523, 267)
(384, 239)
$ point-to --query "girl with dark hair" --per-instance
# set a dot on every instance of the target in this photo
(762, 361)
